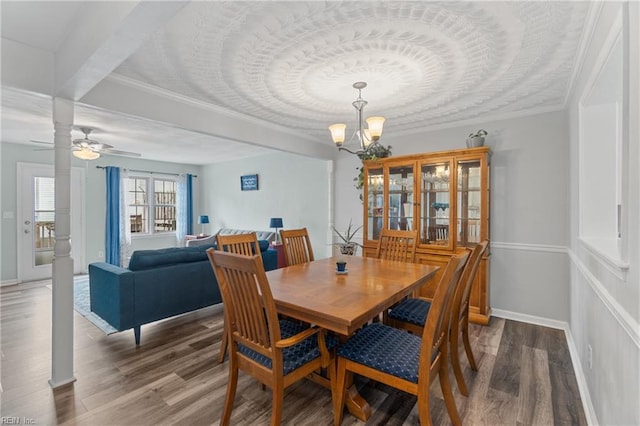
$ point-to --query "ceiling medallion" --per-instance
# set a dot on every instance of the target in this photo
(368, 138)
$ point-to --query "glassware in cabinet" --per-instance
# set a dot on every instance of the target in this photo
(401, 197)
(375, 202)
(469, 202)
(435, 203)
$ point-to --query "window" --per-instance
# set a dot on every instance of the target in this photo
(155, 214)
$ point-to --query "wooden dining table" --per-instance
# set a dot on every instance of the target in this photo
(316, 293)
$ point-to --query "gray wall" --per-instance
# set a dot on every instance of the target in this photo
(605, 303)
(529, 207)
(293, 187)
(95, 200)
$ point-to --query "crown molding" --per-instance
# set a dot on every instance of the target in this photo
(593, 15)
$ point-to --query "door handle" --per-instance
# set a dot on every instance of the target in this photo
(27, 222)
(26, 231)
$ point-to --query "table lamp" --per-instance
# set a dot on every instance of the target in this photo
(276, 222)
(202, 220)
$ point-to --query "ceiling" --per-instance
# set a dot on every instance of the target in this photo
(289, 67)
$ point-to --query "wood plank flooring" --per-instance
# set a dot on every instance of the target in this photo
(525, 376)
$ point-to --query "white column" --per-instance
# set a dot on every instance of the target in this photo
(62, 301)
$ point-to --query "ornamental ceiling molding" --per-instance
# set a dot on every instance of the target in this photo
(427, 64)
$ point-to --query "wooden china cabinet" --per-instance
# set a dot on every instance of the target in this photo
(445, 196)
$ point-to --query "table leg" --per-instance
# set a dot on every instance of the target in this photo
(356, 404)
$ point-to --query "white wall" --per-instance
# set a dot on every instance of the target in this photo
(293, 187)
(605, 302)
(529, 206)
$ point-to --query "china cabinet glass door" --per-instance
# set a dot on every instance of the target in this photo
(400, 202)
(469, 202)
(375, 202)
(435, 203)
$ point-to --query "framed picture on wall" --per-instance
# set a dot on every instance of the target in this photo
(249, 183)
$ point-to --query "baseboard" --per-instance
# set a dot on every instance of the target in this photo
(585, 396)
(62, 383)
(589, 411)
(531, 319)
(8, 282)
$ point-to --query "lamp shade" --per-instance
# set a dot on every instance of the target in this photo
(203, 219)
(375, 127)
(337, 133)
(86, 154)
(275, 222)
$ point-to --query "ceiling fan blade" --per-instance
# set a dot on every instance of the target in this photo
(42, 142)
(119, 152)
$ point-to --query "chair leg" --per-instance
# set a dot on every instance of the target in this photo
(449, 400)
(467, 345)
(224, 344)
(340, 391)
(455, 362)
(232, 384)
(278, 400)
(424, 412)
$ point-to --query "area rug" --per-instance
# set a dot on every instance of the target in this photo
(81, 303)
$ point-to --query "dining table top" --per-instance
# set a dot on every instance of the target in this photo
(316, 293)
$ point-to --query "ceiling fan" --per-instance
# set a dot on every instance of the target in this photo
(90, 149)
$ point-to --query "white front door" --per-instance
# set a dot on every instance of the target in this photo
(36, 230)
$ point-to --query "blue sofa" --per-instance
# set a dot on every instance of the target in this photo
(158, 284)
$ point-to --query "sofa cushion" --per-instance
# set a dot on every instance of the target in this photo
(263, 244)
(147, 259)
(261, 235)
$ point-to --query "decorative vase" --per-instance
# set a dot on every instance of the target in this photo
(475, 141)
(348, 249)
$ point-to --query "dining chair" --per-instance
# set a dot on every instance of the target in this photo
(297, 246)
(246, 245)
(402, 360)
(276, 352)
(412, 314)
(397, 245)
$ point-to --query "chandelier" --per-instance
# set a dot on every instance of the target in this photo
(368, 138)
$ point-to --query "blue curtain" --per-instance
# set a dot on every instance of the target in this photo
(112, 227)
(189, 203)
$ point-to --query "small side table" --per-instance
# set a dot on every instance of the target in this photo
(280, 249)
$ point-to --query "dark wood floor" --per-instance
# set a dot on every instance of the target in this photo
(525, 376)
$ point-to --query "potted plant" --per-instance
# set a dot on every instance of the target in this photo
(347, 246)
(476, 139)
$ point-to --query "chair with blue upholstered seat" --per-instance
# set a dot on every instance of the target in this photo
(297, 246)
(405, 361)
(246, 245)
(411, 314)
(397, 245)
(277, 353)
